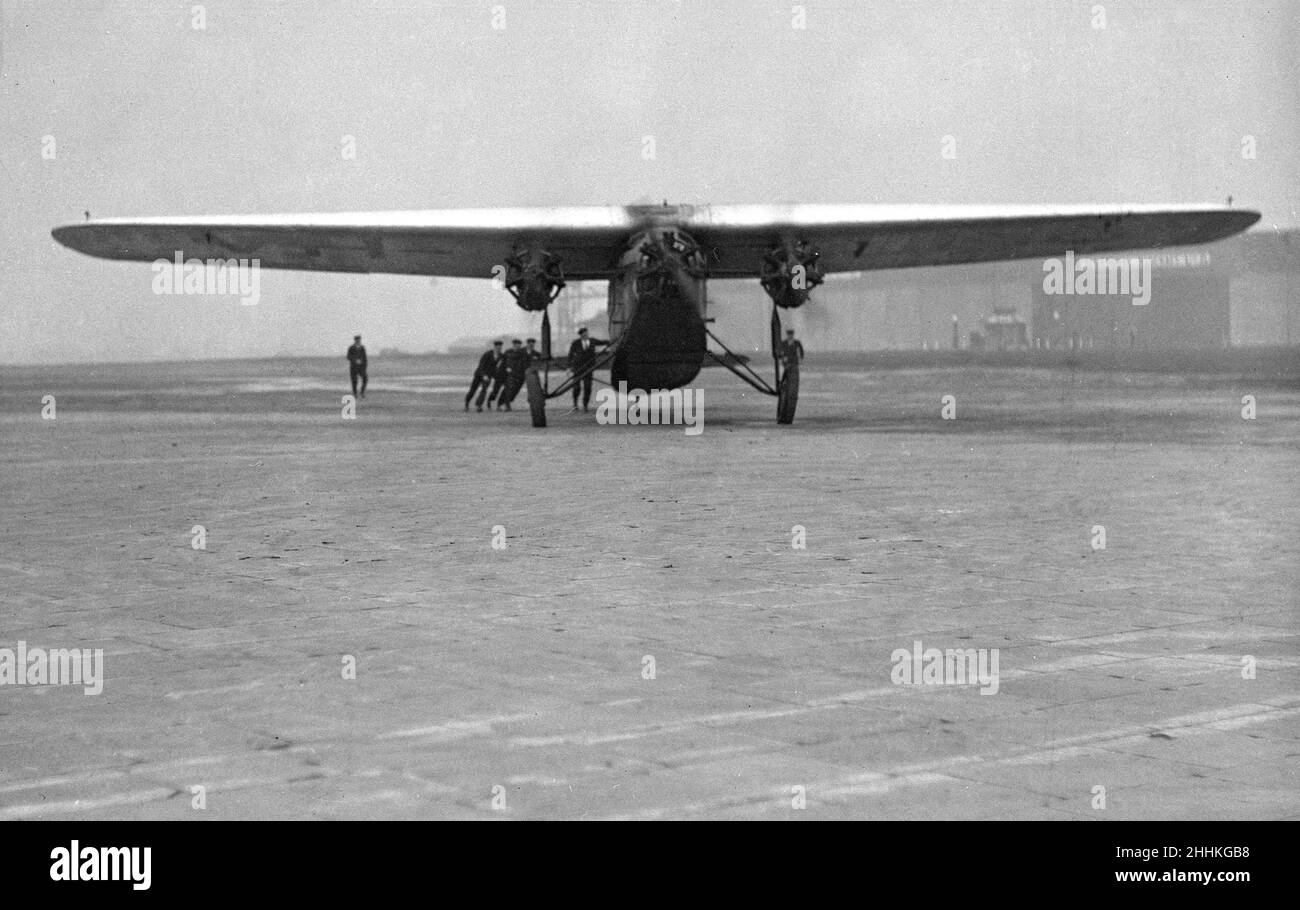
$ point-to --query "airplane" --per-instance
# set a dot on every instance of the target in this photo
(657, 259)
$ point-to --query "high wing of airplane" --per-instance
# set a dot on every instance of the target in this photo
(590, 241)
(657, 259)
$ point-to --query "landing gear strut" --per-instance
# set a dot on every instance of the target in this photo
(786, 390)
(533, 380)
(537, 377)
(787, 375)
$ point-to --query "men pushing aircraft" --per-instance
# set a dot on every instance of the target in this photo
(484, 373)
(503, 372)
(517, 360)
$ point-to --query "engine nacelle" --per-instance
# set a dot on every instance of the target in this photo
(789, 273)
(534, 278)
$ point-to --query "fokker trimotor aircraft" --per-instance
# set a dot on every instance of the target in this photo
(657, 259)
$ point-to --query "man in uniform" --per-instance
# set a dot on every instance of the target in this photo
(791, 349)
(517, 365)
(483, 373)
(357, 365)
(498, 381)
(517, 361)
(582, 354)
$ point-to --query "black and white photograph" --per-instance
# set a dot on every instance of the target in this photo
(684, 410)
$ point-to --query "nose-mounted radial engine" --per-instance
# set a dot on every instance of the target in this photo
(789, 272)
(534, 277)
(671, 263)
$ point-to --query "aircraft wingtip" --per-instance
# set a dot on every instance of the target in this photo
(1245, 218)
(73, 236)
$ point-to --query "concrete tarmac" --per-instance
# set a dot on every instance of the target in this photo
(651, 641)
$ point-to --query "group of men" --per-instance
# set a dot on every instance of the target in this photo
(500, 374)
(504, 372)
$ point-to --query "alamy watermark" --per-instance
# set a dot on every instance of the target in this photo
(235, 277)
(950, 667)
(636, 407)
(1086, 275)
(24, 666)
(75, 863)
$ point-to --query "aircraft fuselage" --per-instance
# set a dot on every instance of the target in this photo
(657, 310)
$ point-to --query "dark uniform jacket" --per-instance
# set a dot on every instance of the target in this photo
(578, 357)
(502, 368)
(487, 364)
(791, 349)
(516, 361)
(357, 355)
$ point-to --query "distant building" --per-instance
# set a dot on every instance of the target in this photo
(1242, 291)
(1187, 303)
(1265, 286)
(893, 309)
(580, 304)
(1004, 330)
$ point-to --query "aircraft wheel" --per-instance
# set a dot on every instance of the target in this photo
(787, 394)
(536, 397)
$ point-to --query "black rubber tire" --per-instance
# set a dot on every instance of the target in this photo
(787, 394)
(536, 397)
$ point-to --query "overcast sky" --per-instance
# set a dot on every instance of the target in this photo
(151, 116)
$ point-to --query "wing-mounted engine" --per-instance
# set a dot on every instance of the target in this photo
(789, 272)
(534, 277)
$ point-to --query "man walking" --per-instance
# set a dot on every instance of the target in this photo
(357, 365)
(483, 373)
(582, 354)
